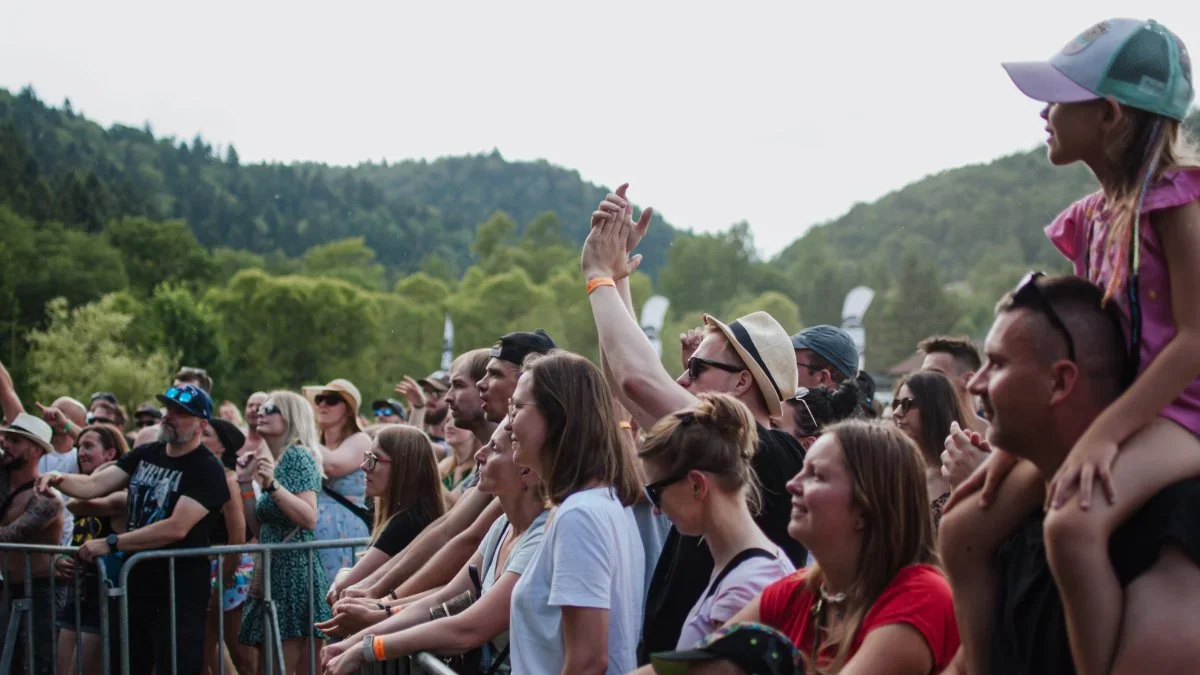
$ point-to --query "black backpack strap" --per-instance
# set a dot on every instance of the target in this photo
(733, 564)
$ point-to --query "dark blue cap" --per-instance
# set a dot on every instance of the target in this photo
(832, 344)
(191, 399)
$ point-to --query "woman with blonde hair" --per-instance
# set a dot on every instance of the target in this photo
(343, 445)
(459, 466)
(402, 478)
(874, 601)
(289, 471)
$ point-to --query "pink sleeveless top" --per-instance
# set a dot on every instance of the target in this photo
(1069, 233)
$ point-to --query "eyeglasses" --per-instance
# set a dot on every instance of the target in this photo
(1029, 293)
(513, 407)
(799, 398)
(697, 365)
(179, 395)
(269, 409)
(653, 491)
(810, 367)
(384, 412)
(903, 405)
(372, 460)
(328, 399)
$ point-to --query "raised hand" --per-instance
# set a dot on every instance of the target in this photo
(689, 342)
(962, 455)
(604, 251)
(54, 417)
(412, 392)
(617, 206)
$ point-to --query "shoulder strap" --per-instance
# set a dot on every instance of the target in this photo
(13, 495)
(487, 562)
(733, 564)
(350, 506)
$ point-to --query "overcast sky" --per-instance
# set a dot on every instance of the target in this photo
(783, 114)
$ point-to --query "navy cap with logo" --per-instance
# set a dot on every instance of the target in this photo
(394, 405)
(514, 347)
(832, 344)
(189, 398)
(753, 647)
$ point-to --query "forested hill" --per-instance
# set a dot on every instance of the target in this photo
(58, 165)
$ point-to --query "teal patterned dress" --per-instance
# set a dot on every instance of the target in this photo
(291, 576)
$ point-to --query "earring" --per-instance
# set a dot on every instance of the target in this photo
(524, 488)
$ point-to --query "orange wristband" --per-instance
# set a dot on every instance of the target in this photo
(626, 425)
(377, 645)
(598, 282)
(248, 495)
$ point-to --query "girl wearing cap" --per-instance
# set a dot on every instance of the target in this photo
(1116, 96)
(224, 440)
(343, 447)
(698, 472)
(873, 601)
(289, 471)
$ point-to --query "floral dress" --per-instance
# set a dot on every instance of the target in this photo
(291, 577)
(335, 521)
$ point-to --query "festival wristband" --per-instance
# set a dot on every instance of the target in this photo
(392, 594)
(598, 282)
(377, 643)
(248, 495)
(368, 648)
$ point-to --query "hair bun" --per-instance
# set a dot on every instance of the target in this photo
(729, 418)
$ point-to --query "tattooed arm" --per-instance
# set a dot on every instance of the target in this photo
(39, 512)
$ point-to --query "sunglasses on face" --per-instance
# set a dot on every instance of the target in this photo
(327, 399)
(268, 409)
(697, 365)
(144, 422)
(384, 412)
(1029, 294)
(903, 405)
(93, 419)
(372, 460)
(654, 490)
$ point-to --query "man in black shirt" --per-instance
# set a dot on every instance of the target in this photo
(173, 484)
(1041, 401)
(751, 359)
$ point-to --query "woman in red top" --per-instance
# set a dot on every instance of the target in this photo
(873, 602)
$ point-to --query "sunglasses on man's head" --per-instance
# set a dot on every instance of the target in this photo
(105, 396)
(1029, 294)
(384, 412)
(798, 397)
(269, 409)
(697, 365)
(177, 394)
(327, 399)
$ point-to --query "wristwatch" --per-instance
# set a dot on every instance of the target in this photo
(368, 648)
(274, 487)
(111, 540)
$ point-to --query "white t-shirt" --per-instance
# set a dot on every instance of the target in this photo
(591, 557)
(518, 561)
(66, 462)
(741, 585)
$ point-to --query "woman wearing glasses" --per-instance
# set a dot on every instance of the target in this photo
(924, 407)
(503, 556)
(343, 445)
(289, 471)
(697, 464)
(402, 478)
(578, 607)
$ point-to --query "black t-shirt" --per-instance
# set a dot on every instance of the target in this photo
(157, 481)
(686, 565)
(400, 531)
(1029, 627)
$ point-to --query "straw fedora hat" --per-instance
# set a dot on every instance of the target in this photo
(766, 350)
(31, 427)
(345, 388)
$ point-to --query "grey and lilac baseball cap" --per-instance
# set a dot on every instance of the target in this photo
(1138, 63)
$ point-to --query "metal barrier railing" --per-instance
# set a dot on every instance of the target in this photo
(28, 607)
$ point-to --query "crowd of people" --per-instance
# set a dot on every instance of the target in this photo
(530, 511)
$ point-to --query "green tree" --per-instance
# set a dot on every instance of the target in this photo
(349, 259)
(155, 252)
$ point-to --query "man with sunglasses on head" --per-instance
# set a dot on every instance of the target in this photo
(751, 359)
(1055, 360)
(173, 485)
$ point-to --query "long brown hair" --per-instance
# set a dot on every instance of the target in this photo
(1141, 147)
(413, 482)
(887, 475)
(935, 397)
(584, 442)
(717, 435)
(111, 438)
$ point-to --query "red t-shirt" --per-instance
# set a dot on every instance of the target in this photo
(918, 596)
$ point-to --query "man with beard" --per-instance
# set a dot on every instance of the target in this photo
(435, 387)
(29, 517)
(173, 485)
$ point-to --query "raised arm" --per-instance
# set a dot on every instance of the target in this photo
(8, 397)
(629, 356)
(348, 457)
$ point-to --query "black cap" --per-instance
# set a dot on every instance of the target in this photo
(150, 409)
(514, 347)
(232, 438)
(395, 404)
(755, 648)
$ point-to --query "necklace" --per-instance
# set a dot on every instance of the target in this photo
(832, 599)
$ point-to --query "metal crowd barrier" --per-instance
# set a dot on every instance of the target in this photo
(27, 608)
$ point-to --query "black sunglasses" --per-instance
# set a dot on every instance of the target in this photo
(903, 405)
(1029, 294)
(269, 409)
(93, 419)
(654, 490)
(697, 365)
(327, 399)
(143, 422)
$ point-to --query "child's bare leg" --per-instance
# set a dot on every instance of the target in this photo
(967, 542)
(1159, 455)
